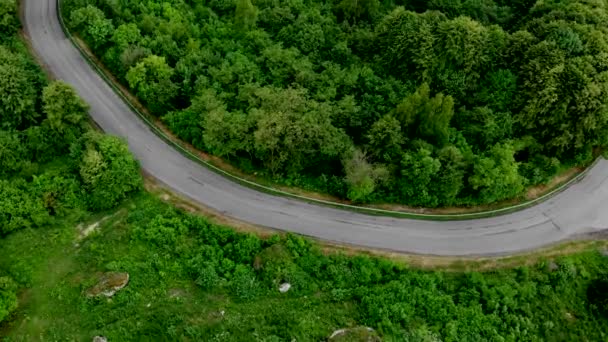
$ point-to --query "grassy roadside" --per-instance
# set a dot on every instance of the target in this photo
(194, 280)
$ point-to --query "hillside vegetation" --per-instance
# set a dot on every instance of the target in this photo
(70, 211)
(53, 167)
(191, 280)
(426, 103)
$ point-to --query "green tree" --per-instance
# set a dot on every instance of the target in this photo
(407, 42)
(448, 182)
(92, 22)
(17, 96)
(426, 117)
(418, 169)
(292, 132)
(361, 177)
(126, 35)
(385, 139)
(151, 80)
(355, 9)
(244, 283)
(496, 176)
(227, 133)
(245, 14)
(12, 153)
(107, 169)
(65, 110)
(498, 89)
(19, 208)
(462, 44)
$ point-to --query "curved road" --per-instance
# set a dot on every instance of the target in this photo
(582, 208)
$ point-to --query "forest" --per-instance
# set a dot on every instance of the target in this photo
(424, 103)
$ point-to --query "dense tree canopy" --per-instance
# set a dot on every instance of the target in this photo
(456, 101)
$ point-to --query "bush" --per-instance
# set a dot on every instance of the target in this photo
(8, 298)
(107, 169)
(244, 284)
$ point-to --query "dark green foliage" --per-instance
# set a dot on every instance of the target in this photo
(289, 89)
(9, 22)
(425, 117)
(8, 297)
(597, 295)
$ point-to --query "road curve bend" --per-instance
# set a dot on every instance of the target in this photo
(581, 208)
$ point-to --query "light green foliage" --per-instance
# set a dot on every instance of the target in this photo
(245, 14)
(224, 132)
(244, 283)
(17, 93)
(163, 232)
(19, 208)
(151, 80)
(60, 191)
(93, 23)
(65, 110)
(463, 43)
(496, 174)
(126, 35)
(361, 177)
(107, 169)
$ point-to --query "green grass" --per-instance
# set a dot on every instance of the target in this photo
(168, 255)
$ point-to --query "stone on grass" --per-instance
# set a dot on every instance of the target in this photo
(356, 334)
(176, 293)
(552, 266)
(284, 287)
(100, 339)
(109, 284)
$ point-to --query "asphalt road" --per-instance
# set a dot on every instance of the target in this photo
(582, 208)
